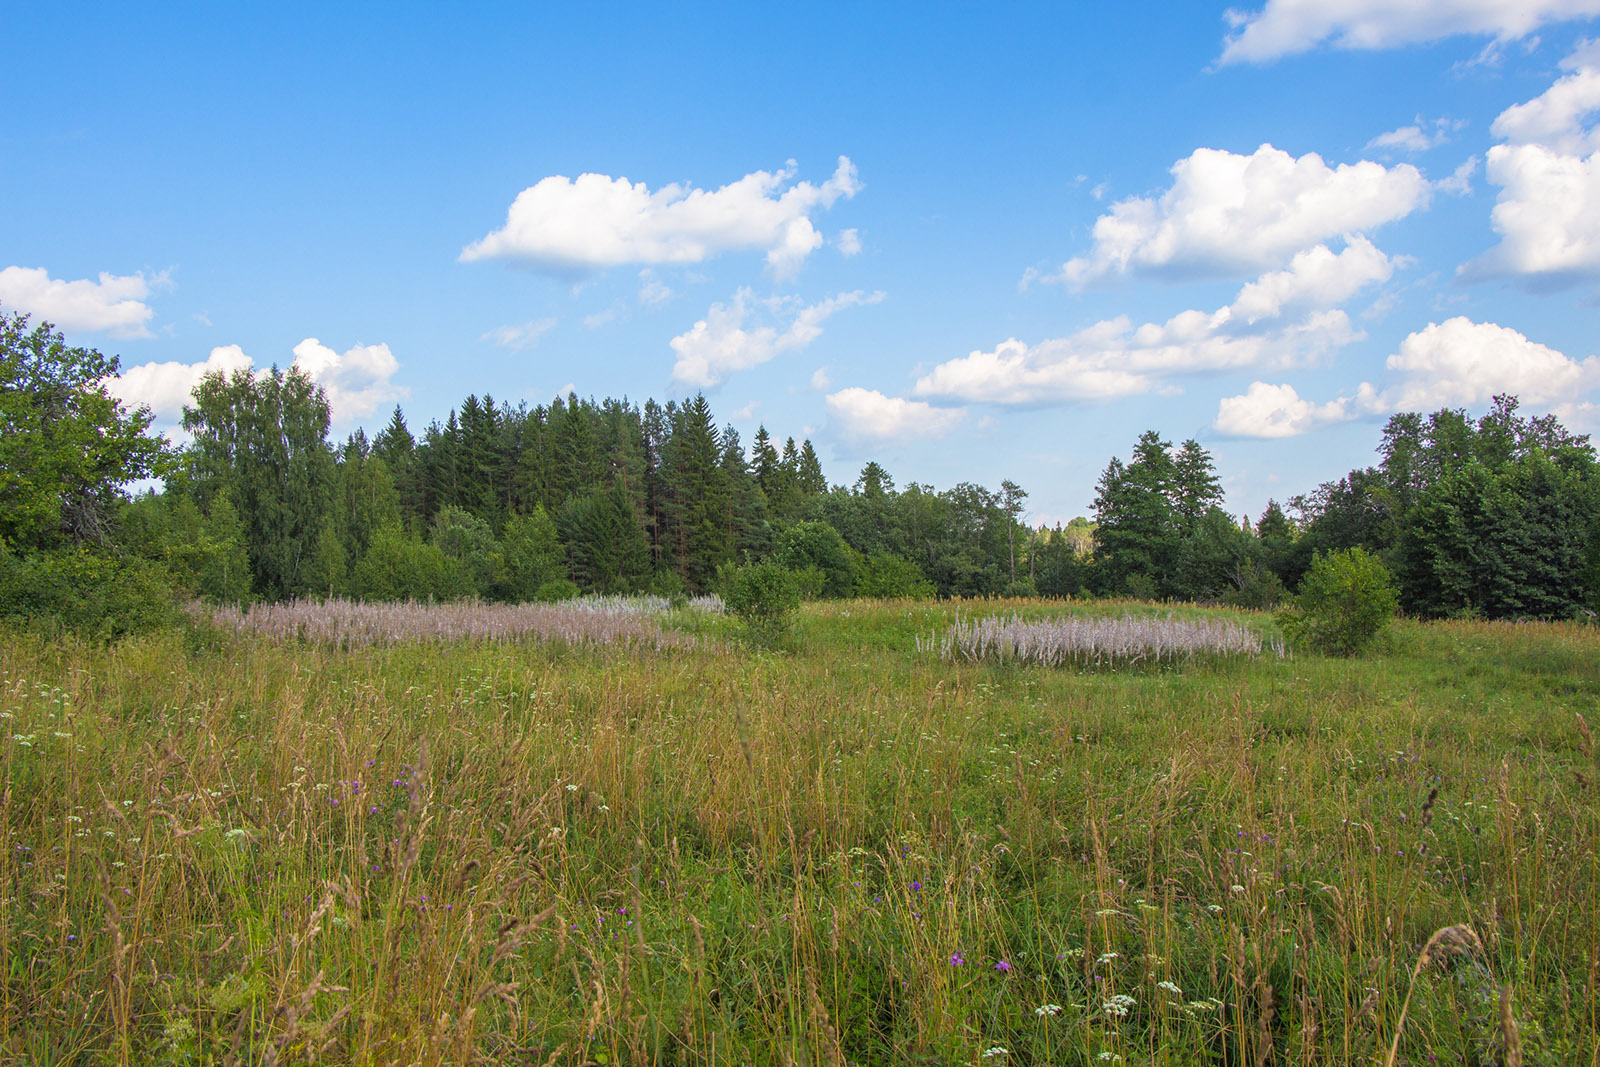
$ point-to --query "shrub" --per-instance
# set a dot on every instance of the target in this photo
(557, 590)
(885, 577)
(95, 594)
(763, 596)
(1345, 601)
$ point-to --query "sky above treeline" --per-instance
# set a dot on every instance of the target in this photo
(971, 242)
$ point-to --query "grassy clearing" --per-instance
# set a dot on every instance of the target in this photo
(217, 846)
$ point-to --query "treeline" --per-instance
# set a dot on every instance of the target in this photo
(521, 503)
(1497, 517)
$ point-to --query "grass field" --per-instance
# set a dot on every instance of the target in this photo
(218, 848)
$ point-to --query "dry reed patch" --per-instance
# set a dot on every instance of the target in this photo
(626, 621)
(1079, 641)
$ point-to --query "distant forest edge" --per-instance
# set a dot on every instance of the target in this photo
(1496, 517)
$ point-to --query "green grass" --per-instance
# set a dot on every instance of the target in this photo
(716, 855)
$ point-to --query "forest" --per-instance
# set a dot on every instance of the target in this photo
(1496, 517)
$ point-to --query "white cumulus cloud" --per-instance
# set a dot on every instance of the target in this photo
(1233, 214)
(868, 416)
(1281, 318)
(165, 387)
(573, 225)
(1455, 363)
(1285, 27)
(1316, 277)
(1276, 411)
(727, 341)
(1548, 168)
(114, 304)
(357, 380)
(1460, 362)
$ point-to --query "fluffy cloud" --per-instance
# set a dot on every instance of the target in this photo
(1459, 362)
(1316, 277)
(867, 416)
(515, 338)
(1275, 411)
(1555, 117)
(722, 343)
(357, 381)
(1456, 363)
(114, 304)
(1231, 214)
(1548, 170)
(1284, 27)
(566, 226)
(165, 387)
(1281, 318)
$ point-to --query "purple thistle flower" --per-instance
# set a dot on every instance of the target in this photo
(1003, 967)
(957, 959)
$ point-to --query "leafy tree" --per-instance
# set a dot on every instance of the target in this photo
(531, 556)
(1211, 561)
(764, 597)
(262, 440)
(67, 445)
(816, 544)
(1344, 603)
(468, 546)
(885, 577)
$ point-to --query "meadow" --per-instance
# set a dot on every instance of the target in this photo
(220, 845)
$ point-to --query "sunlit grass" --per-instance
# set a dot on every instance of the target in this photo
(442, 851)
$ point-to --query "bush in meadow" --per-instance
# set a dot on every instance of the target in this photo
(764, 597)
(1345, 601)
(885, 577)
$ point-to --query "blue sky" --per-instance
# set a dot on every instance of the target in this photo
(970, 244)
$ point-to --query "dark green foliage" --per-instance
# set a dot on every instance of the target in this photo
(94, 592)
(1495, 517)
(262, 439)
(468, 547)
(816, 544)
(763, 596)
(531, 557)
(1212, 558)
(66, 445)
(1344, 603)
(887, 577)
(400, 566)
(1145, 512)
(606, 546)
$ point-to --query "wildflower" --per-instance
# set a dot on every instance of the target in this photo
(992, 1052)
(1107, 957)
(1170, 988)
(957, 959)
(1003, 967)
(916, 887)
(1047, 1009)
(1118, 1005)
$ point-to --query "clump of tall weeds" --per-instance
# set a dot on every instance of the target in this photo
(1093, 642)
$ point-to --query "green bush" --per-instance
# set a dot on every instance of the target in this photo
(1345, 601)
(885, 577)
(556, 590)
(764, 597)
(95, 594)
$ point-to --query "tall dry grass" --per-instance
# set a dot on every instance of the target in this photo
(224, 850)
